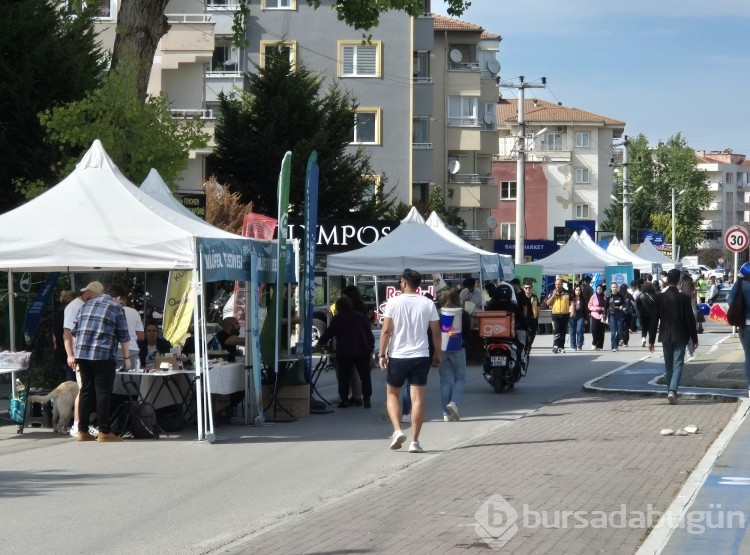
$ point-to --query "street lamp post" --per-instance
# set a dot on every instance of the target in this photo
(674, 224)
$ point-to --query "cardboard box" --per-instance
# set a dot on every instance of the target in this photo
(496, 323)
(294, 398)
(169, 360)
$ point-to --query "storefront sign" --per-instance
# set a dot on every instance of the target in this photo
(343, 235)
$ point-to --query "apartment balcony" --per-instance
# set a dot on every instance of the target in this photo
(189, 40)
(539, 155)
(473, 191)
(715, 206)
(476, 234)
(464, 134)
(422, 162)
(423, 33)
(223, 82)
(423, 93)
(208, 119)
(714, 186)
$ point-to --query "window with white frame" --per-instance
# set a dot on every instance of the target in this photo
(553, 141)
(278, 4)
(582, 211)
(367, 126)
(582, 140)
(462, 111)
(507, 190)
(221, 4)
(421, 131)
(582, 175)
(729, 177)
(288, 49)
(422, 67)
(508, 231)
(359, 60)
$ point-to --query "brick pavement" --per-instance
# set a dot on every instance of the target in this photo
(590, 452)
(720, 367)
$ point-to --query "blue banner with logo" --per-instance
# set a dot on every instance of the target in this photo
(34, 314)
(308, 276)
(229, 259)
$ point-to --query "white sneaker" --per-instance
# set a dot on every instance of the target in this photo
(447, 418)
(554, 350)
(93, 431)
(74, 429)
(643, 343)
(593, 347)
(414, 447)
(397, 439)
(453, 411)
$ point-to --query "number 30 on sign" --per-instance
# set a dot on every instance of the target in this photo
(736, 239)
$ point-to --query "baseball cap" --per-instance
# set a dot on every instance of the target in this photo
(95, 287)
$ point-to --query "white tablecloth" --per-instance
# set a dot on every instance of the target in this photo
(227, 378)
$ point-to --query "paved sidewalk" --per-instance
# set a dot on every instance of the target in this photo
(601, 455)
(600, 452)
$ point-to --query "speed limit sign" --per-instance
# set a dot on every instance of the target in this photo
(736, 238)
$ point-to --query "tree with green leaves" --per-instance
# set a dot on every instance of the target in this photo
(137, 135)
(46, 59)
(655, 172)
(284, 110)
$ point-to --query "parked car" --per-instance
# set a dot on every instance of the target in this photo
(695, 271)
(722, 274)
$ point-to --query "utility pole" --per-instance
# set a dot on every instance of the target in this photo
(625, 189)
(625, 193)
(521, 163)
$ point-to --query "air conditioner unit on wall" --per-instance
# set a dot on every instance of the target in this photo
(560, 129)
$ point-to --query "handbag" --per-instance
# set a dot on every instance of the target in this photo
(17, 409)
(736, 312)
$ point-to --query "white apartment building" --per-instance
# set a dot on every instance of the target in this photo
(567, 169)
(728, 179)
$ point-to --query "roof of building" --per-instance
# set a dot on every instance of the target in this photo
(444, 23)
(541, 111)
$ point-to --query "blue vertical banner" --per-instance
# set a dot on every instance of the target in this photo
(34, 314)
(254, 330)
(308, 269)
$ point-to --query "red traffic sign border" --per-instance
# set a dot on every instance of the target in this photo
(733, 232)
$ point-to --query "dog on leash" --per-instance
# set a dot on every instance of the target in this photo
(63, 399)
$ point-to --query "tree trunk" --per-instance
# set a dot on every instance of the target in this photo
(140, 26)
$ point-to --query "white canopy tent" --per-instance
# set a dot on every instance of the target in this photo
(421, 247)
(589, 243)
(434, 221)
(97, 220)
(576, 258)
(618, 249)
(649, 252)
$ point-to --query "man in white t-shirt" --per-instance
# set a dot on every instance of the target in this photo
(404, 353)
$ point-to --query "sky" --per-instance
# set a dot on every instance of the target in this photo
(661, 66)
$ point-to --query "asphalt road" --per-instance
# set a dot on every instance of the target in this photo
(179, 496)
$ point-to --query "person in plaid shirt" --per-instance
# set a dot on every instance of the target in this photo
(101, 326)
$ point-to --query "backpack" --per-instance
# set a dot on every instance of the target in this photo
(139, 419)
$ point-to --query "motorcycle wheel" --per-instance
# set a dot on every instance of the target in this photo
(498, 384)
